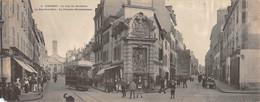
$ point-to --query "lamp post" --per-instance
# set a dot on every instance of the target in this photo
(1, 35)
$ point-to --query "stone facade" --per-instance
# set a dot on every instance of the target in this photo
(22, 40)
(55, 61)
(236, 49)
(135, 38)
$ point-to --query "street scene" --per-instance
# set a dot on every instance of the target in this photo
(130, 51)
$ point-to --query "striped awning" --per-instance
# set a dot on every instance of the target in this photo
(25, 66)
(102, 71)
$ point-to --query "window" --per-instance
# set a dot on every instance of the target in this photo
(18, 41)
(96, 57)
(22, 19)
(165, 44)
(237, 15)
(100, 55)
(13, 36)
(55, 69)
(244, 4)
(17, 12)
(115, 53)
(13, 7)
(160, 54)
(243, 17)
(105, 38)
(119, 52)
(99, 38)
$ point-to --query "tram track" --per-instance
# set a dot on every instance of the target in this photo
(92, 97)
(74, 92)
(77, 95)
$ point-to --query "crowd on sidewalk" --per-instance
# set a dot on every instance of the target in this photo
(11, 91)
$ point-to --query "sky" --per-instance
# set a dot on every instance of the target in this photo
(73, 29)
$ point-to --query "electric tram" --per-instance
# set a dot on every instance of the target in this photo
(78, 74)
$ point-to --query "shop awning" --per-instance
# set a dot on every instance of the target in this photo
(165, 69)
(102, 71)
(25, 66)
(33, 69)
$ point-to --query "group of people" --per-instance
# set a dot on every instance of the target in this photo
(203, 78)
(182, 80)
(136, 86)
(10, 91)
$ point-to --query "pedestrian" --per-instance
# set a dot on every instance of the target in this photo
(123, 87)
(55, 78)
(199, 78)
(162, 83)
(34, 83)
(12, 92)
(178, 81)
(204, 79)
(1, 88)
(151, 84)
(96, 82)
(185, 82)
(26, 84)
(181, 79)
(173, 87)
(119, 86)
(111, 85)
(106, 86)
(132, 88)
(18, 83)
(42, 83)
(30, 84)
(139, 87)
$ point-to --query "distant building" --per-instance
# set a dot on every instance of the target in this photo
(213, 61)
(55, 61)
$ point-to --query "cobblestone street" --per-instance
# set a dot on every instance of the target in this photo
(194, 93)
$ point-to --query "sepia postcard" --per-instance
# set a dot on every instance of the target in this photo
(130, 50)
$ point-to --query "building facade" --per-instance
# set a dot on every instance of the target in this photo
(135, 38)
(234, 55)
(23, 43)
(55, 61)
(215, 47)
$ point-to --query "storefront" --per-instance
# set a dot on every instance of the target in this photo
(18, 65)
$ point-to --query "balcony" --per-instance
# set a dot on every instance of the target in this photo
(96, 47)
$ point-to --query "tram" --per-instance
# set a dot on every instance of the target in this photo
(77, 74)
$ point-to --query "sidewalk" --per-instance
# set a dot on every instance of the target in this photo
(33, 95)
(225, 88)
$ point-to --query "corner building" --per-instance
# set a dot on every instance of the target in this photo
(134, 38)
(240, 47)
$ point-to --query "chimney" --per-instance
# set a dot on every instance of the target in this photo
(54, 47)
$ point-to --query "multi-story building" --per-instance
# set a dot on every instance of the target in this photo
(240, 44)
(88, 54)
(234, 51)
(21, 41)
(83, 55)
(215, 46)
(135, 38)
(55, 61)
